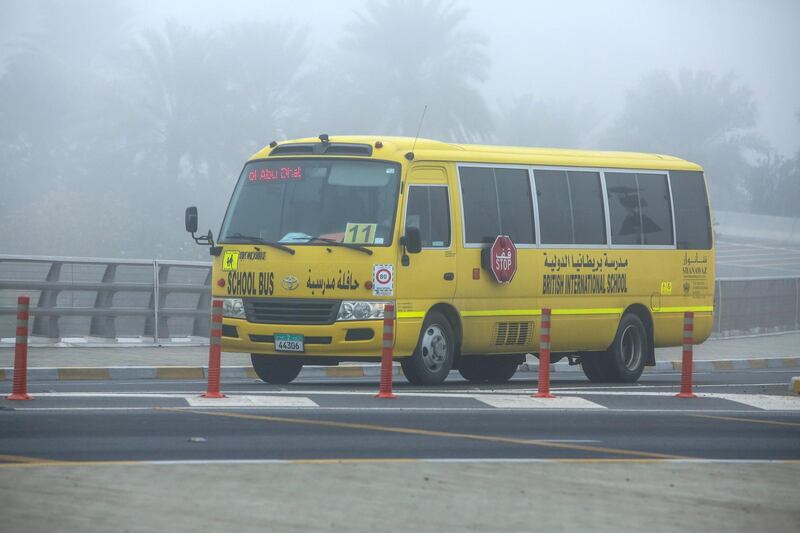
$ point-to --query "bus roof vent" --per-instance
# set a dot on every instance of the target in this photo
(328, 148)
(349, 149)
(293, 149)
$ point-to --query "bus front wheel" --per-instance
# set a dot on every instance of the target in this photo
(433, 357)
(275, 369)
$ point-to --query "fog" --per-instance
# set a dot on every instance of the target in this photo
(115, 115)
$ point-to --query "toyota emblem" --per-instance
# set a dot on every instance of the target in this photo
(289, 283)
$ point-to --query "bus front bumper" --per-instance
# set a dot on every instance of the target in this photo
(343, 340)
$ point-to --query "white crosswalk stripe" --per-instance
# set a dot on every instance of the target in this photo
(511, 401)
(251, 401)
(760, 401)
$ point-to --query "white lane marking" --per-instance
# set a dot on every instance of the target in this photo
(643, 388)
(765, 267)
(756, 246)
(767, 259)
(113, 394)
(390, 460)
(392, 410)
(251, 401)
(453, 393)
(83, 408)
(504, 401)
(761, 401)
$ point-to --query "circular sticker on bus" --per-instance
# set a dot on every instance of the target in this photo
(383, 280)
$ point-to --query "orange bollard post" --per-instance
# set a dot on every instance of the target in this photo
(686, 362)
(214, 352)
(544, 356)
(19, 389)
(386, 354)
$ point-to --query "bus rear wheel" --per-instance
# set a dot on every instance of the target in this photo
(275, 369)
(433, 357)
(595, 366)
(624, 360)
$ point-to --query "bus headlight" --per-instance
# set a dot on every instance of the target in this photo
(233, 308)
(360, 310)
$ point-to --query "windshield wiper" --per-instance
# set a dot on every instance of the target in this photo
(259, 240)
(351, 245)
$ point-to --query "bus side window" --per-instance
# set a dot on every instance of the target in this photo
(497, 201)
(692, 218)
(429, 210)
(640, 211)
(570, 207)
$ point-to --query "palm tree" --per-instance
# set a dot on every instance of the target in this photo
(526, 121)
(265, 81)
(399, 56)
(699, 116)
(193, 105)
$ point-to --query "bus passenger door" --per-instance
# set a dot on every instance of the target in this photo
(429, 277)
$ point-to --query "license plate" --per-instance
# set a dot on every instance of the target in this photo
(289, 343)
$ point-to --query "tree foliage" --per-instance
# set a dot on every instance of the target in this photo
(398, 57)
(108, 133)
(775, 185)
(699, 116)
(526, 121)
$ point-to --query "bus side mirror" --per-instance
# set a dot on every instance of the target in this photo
(413, 240)
(190, 218)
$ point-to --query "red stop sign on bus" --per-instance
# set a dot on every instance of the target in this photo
(503, 256)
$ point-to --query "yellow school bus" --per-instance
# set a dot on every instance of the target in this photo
(470, 243)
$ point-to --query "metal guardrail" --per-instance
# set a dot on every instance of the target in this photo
(752, 306)
(153, 301)
(107, 299)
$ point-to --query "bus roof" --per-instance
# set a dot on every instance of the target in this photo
(395, 148)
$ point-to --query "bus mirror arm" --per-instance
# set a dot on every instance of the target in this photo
(404, 259)
(190, 221)
(411, 243)
(208, 240)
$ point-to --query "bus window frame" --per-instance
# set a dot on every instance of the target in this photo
(534, 211)
(609, 245)
(398, 192)
(446, 186)
(712, 233)
(604, 199)
(674, 245)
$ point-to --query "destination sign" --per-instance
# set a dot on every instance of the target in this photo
(275, 174)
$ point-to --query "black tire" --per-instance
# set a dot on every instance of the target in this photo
(471, 369)
(275, 369)
(627, 354)
(433, 357)
(594, 365)
(500, 371)
(487, 369)
(624, 360)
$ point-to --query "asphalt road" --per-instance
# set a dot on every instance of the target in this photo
(737, 416)
(325, 455)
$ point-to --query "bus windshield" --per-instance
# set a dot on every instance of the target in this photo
(299, 201)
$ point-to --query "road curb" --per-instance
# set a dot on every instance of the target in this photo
(173, 372)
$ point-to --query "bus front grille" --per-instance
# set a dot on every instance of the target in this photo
(291, 311)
